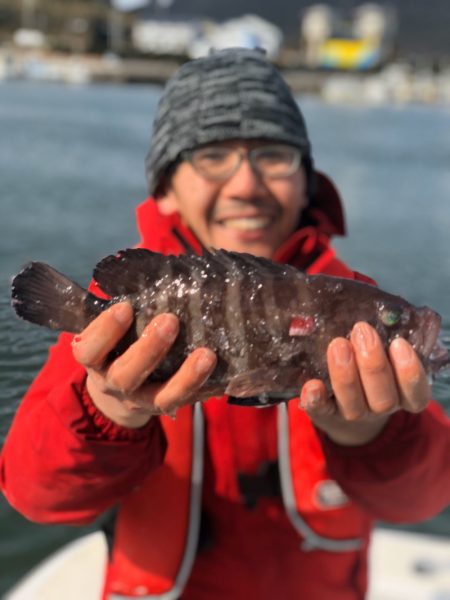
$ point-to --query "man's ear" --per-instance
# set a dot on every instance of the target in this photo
(167, 203)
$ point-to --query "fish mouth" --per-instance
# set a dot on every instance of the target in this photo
(439, 358)
(425, 340)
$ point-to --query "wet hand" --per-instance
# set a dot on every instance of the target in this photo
(368, 384)
(119, 388)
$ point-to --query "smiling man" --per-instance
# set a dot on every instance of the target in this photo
(216, 500)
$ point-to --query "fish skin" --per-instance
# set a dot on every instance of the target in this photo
(269, 324)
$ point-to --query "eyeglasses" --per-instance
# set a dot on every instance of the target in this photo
(222, 162)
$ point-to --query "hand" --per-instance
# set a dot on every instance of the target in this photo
(119, 388)
(368, 384)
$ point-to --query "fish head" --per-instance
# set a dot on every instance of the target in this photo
(338, 304)
(420, 326)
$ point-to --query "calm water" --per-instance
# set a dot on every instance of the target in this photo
(71, 172)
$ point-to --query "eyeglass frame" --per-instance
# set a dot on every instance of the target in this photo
(188, 155)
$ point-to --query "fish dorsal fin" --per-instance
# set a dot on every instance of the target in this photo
(132, 270)
(129, 271)
(248, 263)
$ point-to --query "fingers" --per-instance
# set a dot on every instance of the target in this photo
(129, 371)
(119, 389)
(368, 381)
(326, 415)
(368, 384)
(364, 387)
(375, 372)
(412, 382)
(94, 343)
(345, 380)
(176, 391)
(186, 382)
(182, 388)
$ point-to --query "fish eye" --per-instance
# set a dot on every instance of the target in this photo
(390, 316)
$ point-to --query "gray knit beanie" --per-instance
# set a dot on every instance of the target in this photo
(230, 94)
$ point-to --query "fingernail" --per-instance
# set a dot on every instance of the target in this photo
(310, 398)
(205, 362)
(342, 353)
(121, 312)
(166, 327)
(364, 337)
(76, 339)
(171, 413)
(402, 352)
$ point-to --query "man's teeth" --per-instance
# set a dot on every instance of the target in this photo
(247, 223)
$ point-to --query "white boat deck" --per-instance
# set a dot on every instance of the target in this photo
(409, 566)
(404, 566)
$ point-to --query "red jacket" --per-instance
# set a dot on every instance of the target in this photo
(79, 464)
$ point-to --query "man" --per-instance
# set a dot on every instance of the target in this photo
(215, 500)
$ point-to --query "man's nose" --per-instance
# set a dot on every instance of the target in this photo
(246, 182)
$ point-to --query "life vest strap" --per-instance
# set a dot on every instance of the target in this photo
(311, 539)
(190, 551)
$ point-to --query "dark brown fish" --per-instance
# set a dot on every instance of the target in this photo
(269, 324)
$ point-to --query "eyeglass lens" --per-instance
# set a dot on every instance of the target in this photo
(218, 162)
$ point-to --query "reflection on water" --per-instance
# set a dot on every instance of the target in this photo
(71, 166)
(22, 351)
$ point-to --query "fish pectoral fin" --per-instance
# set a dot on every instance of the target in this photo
(254, 382)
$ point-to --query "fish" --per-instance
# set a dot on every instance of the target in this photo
(269, 323)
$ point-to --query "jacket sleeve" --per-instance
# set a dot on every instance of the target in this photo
(404, 474)
(63, 461)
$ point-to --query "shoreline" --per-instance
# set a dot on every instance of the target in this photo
(396, 82)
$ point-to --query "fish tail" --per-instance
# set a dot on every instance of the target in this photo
(43, 296)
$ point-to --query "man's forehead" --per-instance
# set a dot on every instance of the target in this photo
(247, 144)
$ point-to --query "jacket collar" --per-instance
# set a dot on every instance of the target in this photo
(166, 234)
(326, 211)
